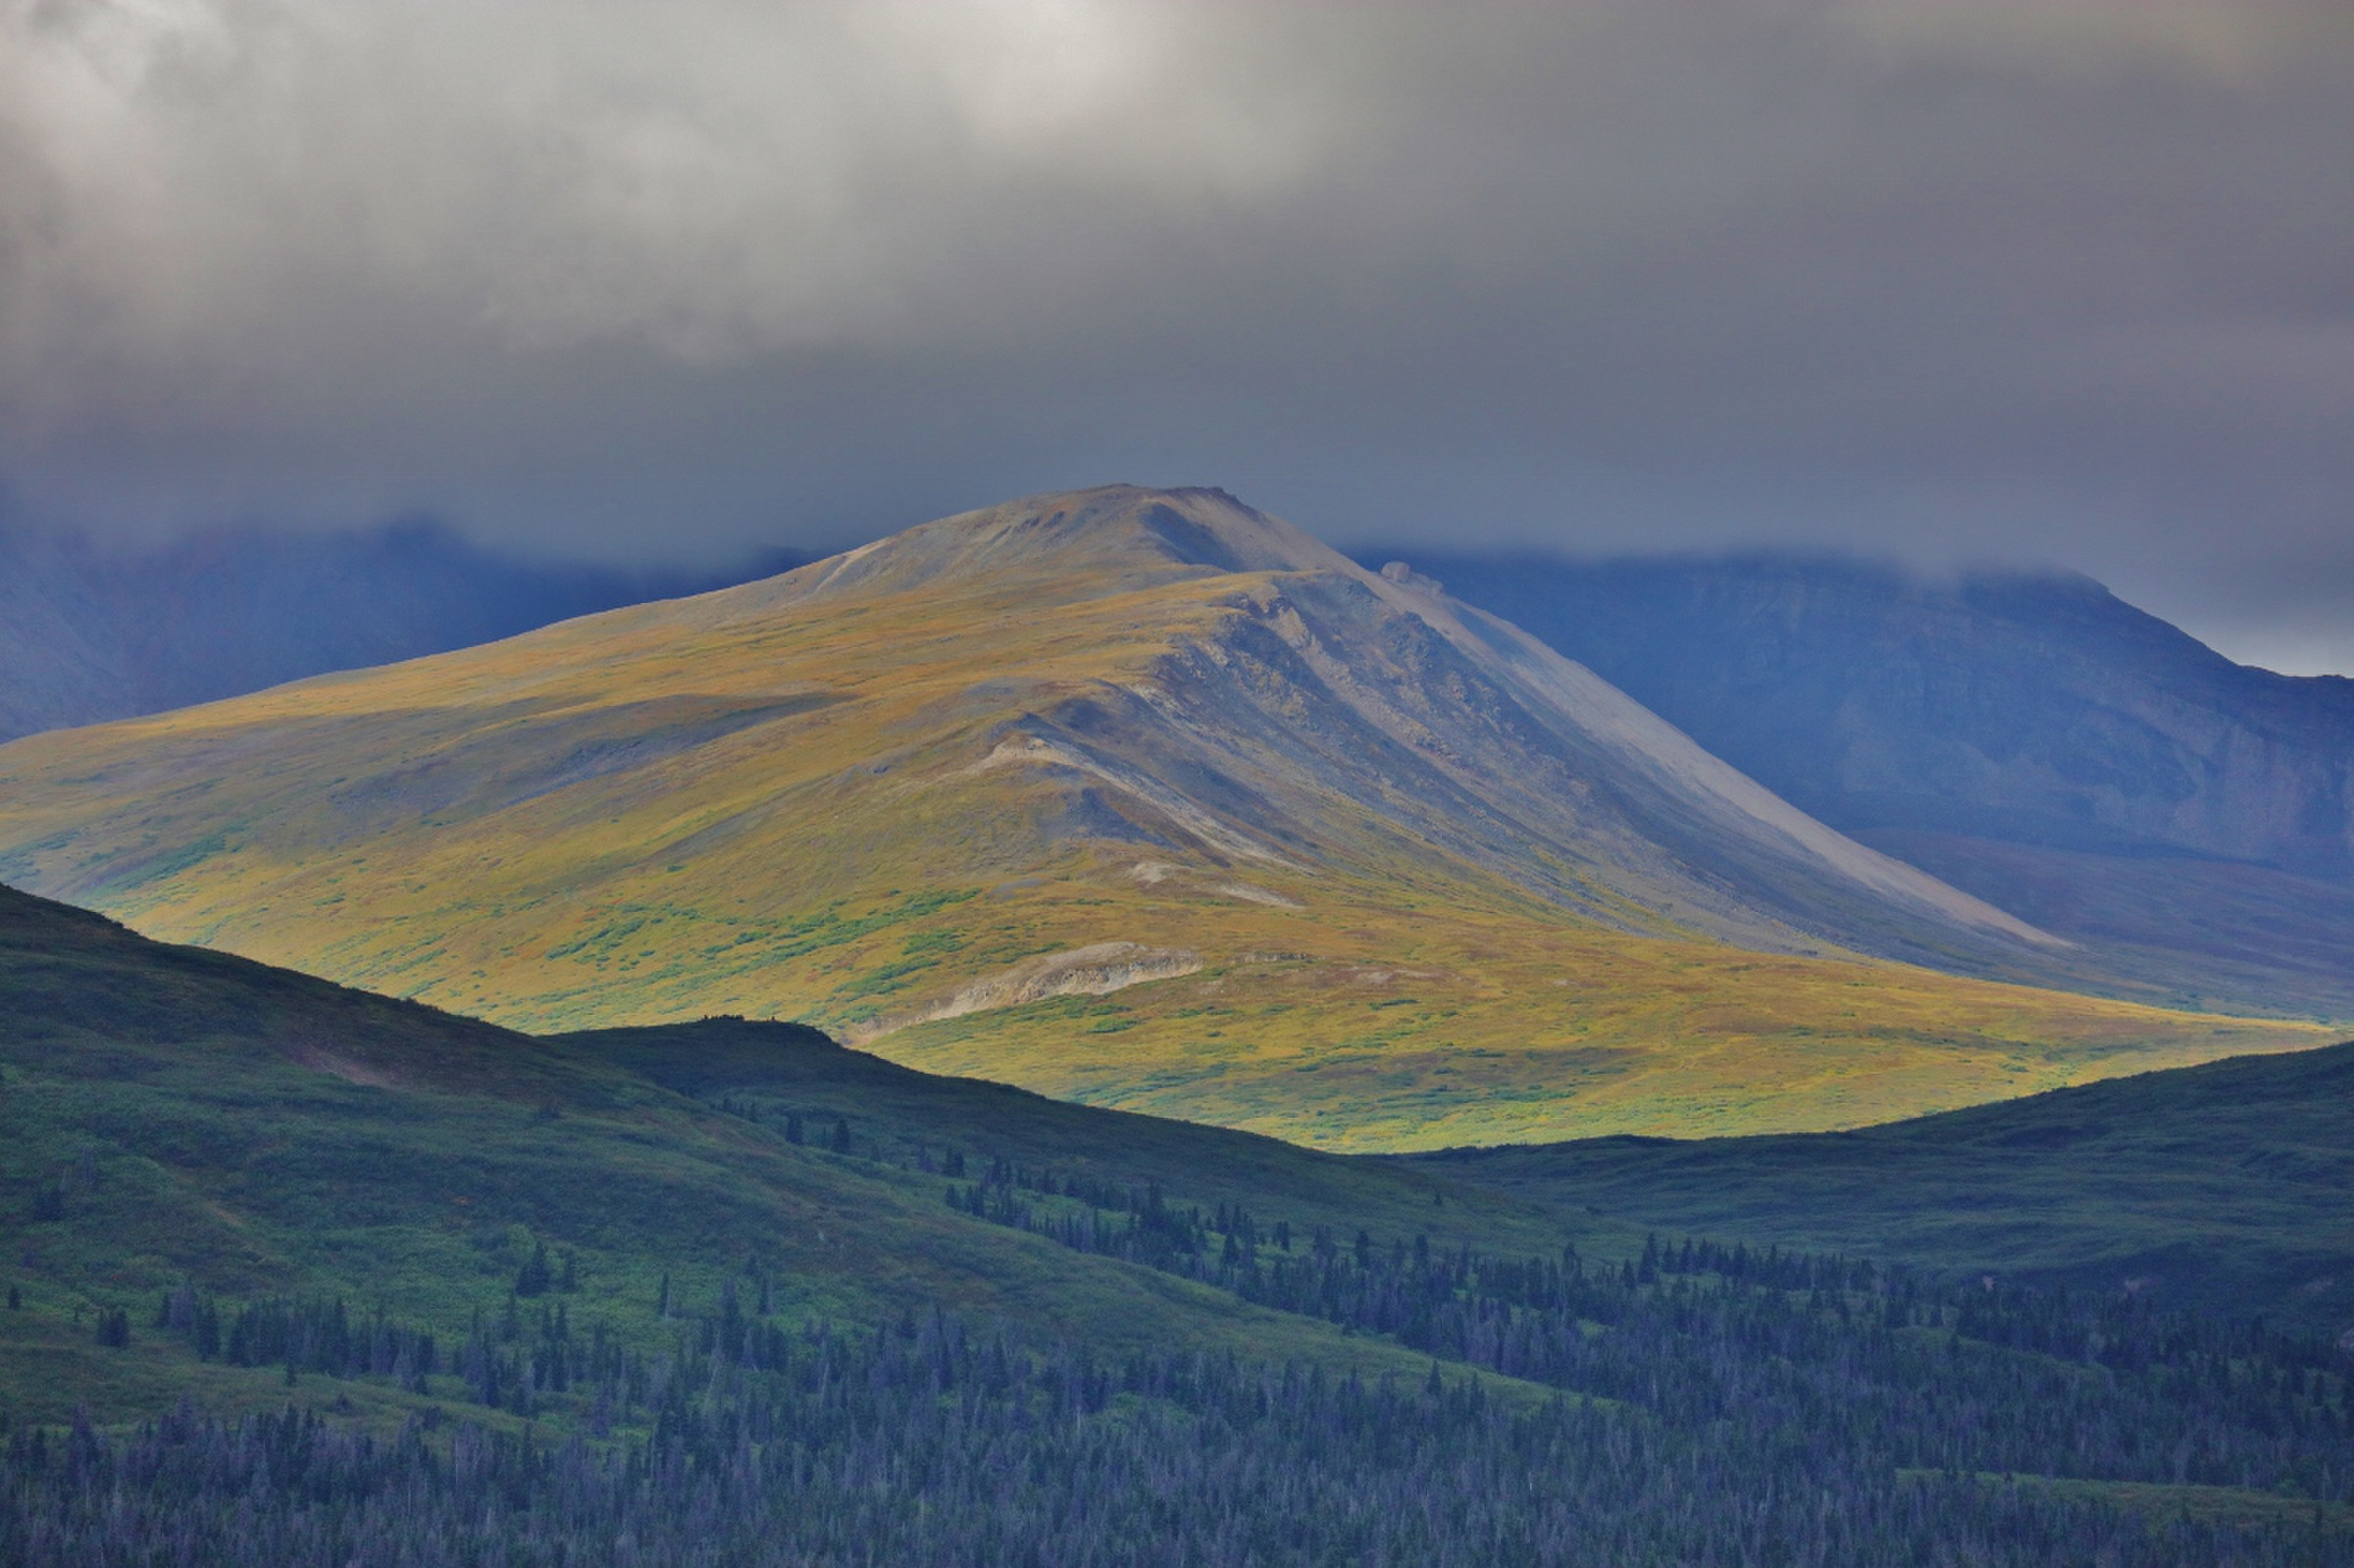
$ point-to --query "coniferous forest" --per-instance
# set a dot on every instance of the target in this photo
(728, 1293)
(1699, 1404)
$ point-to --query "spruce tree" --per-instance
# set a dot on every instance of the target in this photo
(534, 1277)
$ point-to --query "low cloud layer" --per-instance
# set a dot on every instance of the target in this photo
(2014, 280)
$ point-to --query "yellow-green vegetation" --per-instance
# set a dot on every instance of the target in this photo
(1406, 1034)
(1246, 843)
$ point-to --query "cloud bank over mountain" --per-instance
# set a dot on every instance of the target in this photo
(2058, 280)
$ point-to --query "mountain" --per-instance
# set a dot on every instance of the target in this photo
(87, 635)
(1136, 797)
(2227, 1187)
(2029, 737)
(297, 1274)
(57, 644)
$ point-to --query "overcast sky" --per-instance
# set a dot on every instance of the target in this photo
(2059, 281)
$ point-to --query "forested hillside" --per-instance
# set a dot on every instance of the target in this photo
(2227, 1188)
(297, 1274)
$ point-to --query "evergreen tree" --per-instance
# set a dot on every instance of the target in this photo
(534, 1277)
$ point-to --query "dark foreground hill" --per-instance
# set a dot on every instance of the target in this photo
(87, 635)
(2029, 737)
(332, 1278)
(2227, 1187)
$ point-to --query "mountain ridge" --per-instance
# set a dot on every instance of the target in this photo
(257, 1301)
(1116, 538)
(2027, 736)
(1857, 648)
(1399, 875)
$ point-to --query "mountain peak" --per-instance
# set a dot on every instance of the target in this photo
(1105, 538)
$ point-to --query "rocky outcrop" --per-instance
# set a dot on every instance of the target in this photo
(1095, 970)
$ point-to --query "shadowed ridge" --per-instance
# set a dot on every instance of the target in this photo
(85, 988)
(2222, 1186)
(2025, 735)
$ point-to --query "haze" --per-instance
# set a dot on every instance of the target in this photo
(2062, 281)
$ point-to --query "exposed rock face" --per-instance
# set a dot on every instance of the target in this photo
(1095, 970)
(2034, 709)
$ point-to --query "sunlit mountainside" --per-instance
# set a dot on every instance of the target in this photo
(1141, 799)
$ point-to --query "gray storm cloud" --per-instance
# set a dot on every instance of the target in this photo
(2070, 279)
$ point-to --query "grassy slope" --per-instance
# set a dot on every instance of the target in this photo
(2227, 1185)
(663, 813)
(258, 1132)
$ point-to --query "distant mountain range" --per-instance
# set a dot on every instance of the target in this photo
(1139, 797)
(2029, 737)
(89, 634)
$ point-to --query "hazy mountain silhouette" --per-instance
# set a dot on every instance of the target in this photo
(2027, 736)
(89, 634)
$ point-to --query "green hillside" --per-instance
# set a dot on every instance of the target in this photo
(2230, 1187)
(177, 1116)
(300, 1274)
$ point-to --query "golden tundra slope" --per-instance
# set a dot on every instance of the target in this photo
(1141, 798)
